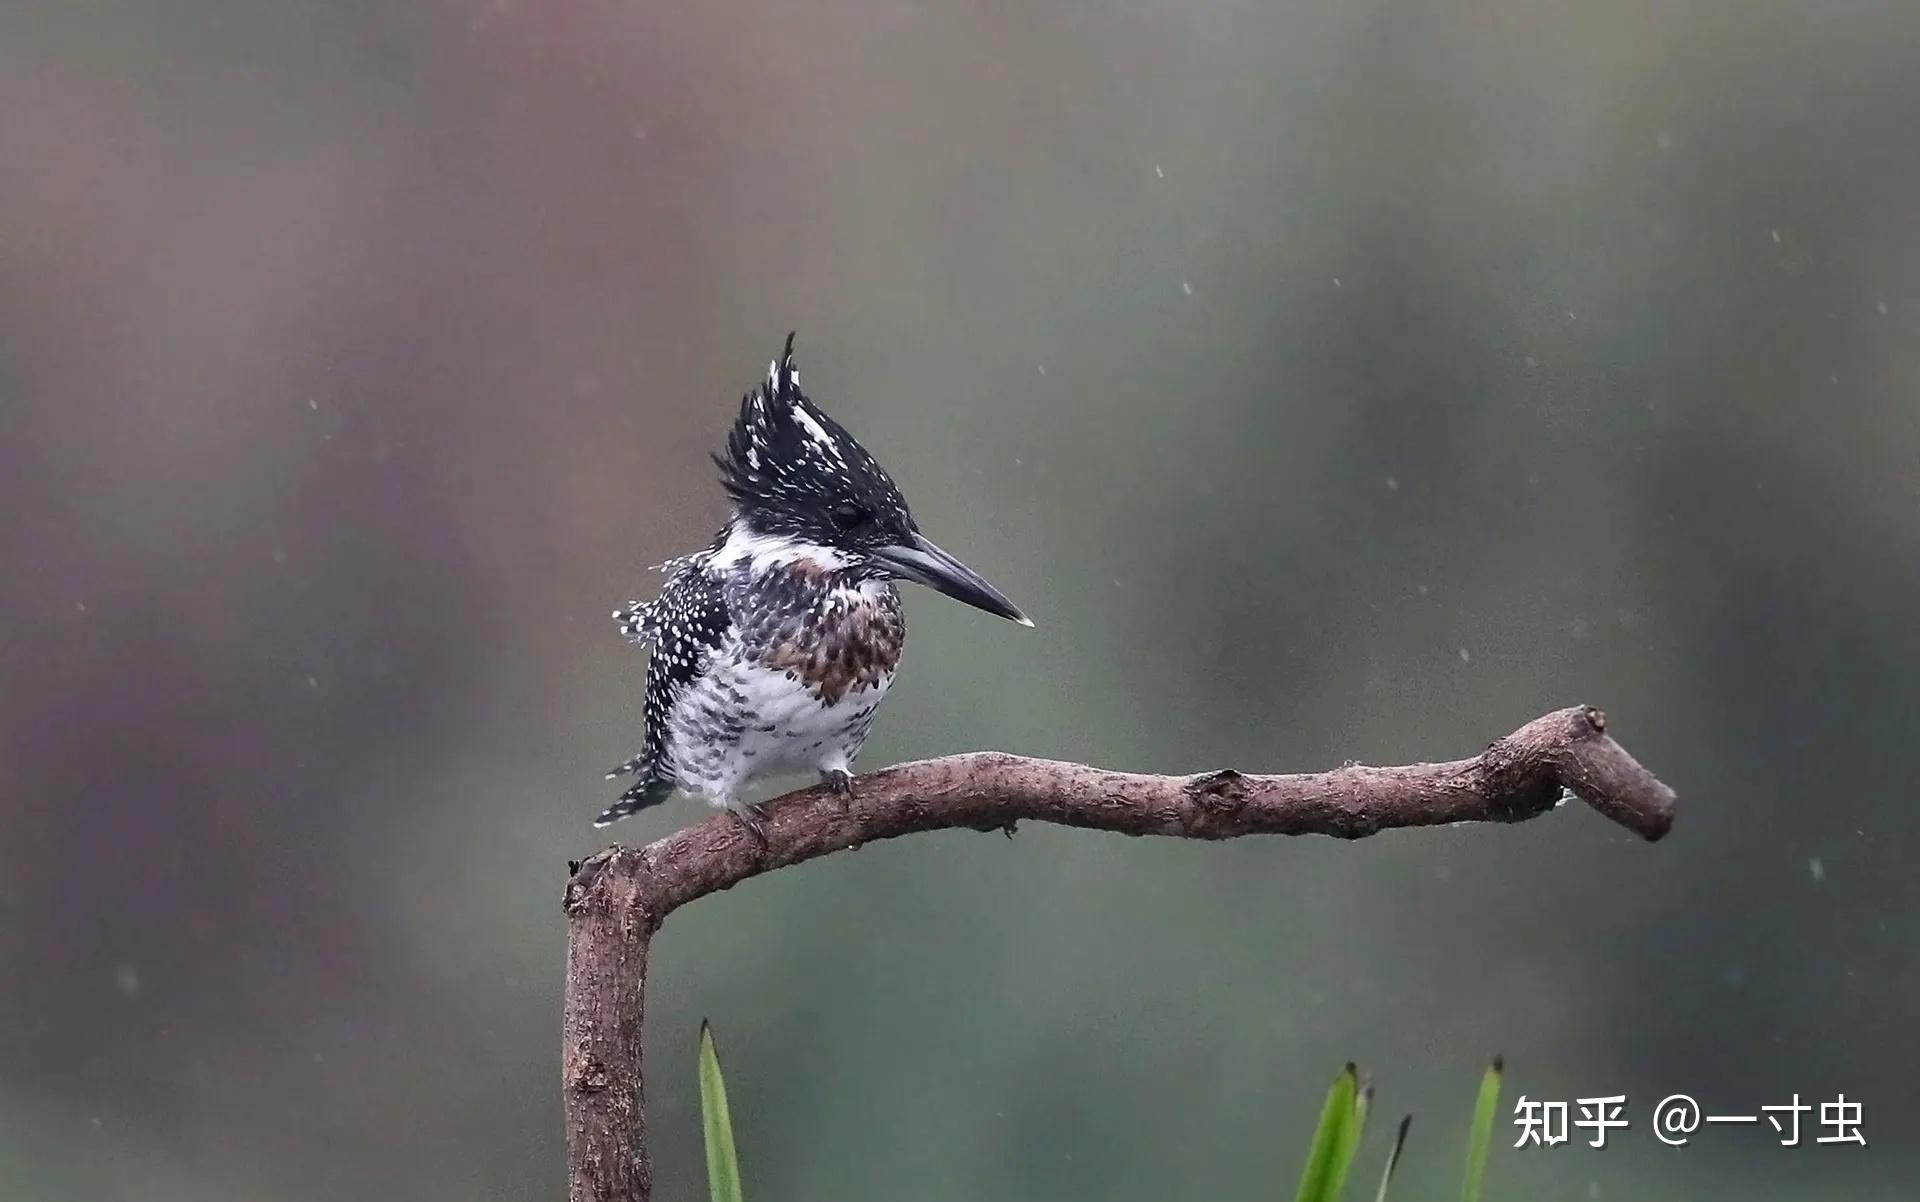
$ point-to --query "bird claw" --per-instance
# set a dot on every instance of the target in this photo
(839, 782)
(753, 818)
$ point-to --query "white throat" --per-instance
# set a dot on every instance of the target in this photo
(764, 552)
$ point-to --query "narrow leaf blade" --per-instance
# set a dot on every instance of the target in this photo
(716, 1124)
(1393, 1159)
(1348, 1143)
(1480, 1135)
(1316, 1179)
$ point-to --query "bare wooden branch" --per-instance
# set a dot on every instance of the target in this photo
(617, 899)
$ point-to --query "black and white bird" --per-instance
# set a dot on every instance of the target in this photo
(773, 648)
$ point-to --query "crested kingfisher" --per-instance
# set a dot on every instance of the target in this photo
(772, 649)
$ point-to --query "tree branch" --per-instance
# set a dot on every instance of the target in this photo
(617, 899)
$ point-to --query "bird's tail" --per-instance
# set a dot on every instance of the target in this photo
(647, 791)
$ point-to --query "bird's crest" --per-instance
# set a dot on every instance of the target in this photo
(786, 459)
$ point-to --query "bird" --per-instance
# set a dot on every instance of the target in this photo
(770, 651)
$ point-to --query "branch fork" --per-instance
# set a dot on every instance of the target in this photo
(617, 899)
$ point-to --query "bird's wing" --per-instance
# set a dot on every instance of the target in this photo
(639, 621)
(684, 625)
(689, 620)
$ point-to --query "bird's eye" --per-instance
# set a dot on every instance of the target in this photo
(847, 515)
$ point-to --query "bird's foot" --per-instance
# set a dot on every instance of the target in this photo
(839, 782)
(753, 819)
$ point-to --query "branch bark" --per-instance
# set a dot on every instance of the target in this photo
(616, 900)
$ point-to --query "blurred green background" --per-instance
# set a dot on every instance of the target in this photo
(1330, 381)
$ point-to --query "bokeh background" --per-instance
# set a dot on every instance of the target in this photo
(1331, 380)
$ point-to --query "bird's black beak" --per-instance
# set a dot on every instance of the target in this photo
(920, 561)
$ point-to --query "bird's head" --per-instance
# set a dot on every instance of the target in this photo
(804, 490)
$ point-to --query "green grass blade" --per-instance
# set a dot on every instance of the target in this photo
(1317, 1180)
(716, 1124)
(1393, 1159)
(1480, 1135)
(1348, 1143)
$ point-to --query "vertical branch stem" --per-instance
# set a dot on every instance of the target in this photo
(608, 931)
